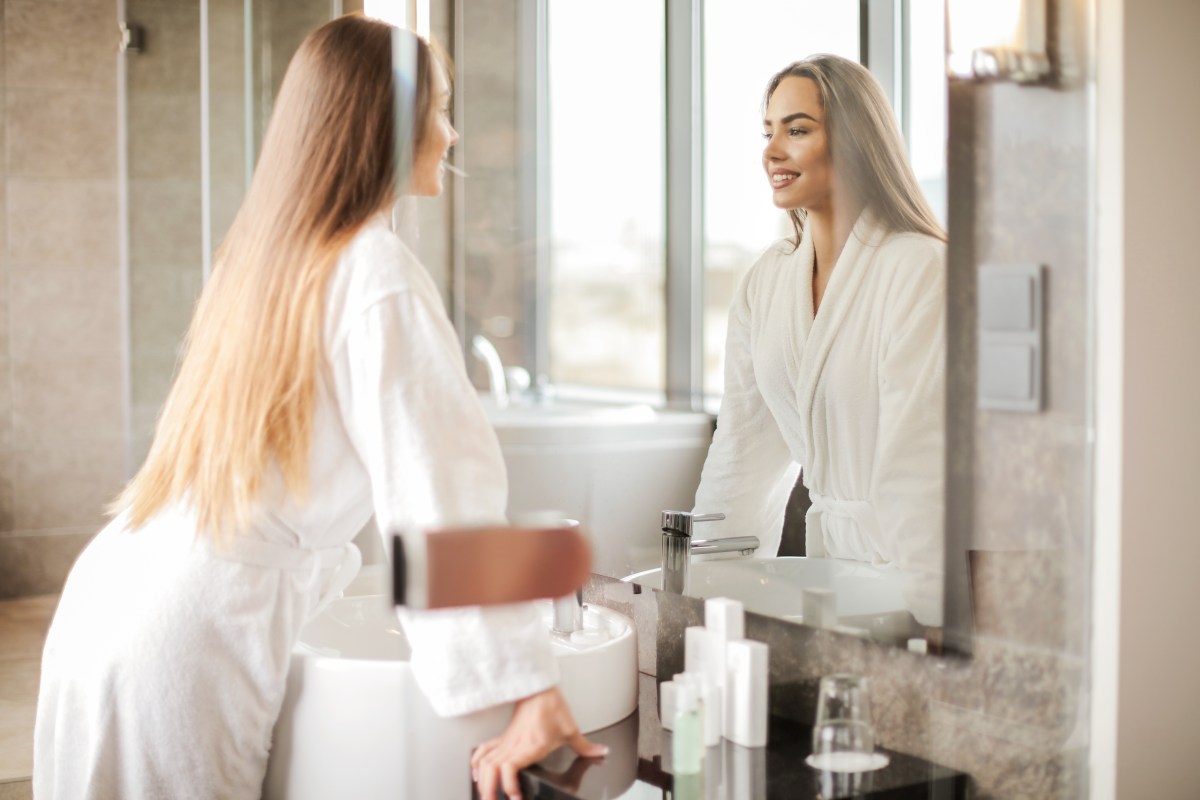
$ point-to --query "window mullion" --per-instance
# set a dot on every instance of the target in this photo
(684, 204)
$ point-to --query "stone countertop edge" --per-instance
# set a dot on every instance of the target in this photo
(778, 770)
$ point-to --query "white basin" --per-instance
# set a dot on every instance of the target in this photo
(354, 723)
(868, 597)
(612, 467)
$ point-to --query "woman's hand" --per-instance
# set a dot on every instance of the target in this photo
(540, 725)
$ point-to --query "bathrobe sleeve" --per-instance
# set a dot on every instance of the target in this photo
(749, 472)
(910, 459)
(433, 458)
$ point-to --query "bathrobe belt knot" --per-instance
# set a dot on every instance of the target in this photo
(843, 529)
(308, 564)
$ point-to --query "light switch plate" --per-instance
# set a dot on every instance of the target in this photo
(1011, 327)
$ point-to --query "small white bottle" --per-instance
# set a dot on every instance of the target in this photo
(687, 742)
(667, 695)
(748, 667)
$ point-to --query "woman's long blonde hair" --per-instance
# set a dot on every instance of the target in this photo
(864, 141)
(244, 392)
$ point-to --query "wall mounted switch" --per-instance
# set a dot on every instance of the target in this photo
(1010, 337)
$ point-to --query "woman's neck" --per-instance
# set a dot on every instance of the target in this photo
(831, 229)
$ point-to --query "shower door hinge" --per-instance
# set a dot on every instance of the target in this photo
(132, 37)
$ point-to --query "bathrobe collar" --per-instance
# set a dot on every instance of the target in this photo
(849, 275)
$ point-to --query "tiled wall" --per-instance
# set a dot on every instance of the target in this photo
(61, 399)
(65, 448)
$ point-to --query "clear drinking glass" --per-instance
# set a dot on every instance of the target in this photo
(844, 735)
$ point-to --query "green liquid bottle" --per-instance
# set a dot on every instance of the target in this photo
(687, 743)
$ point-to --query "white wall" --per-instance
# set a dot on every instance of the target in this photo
(1146, 667)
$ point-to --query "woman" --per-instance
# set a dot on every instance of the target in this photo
(321, 383)
(835, 349)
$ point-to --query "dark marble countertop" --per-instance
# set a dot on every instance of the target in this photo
(635, 768)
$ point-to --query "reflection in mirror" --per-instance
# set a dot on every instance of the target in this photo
(835, 354)
(555, 248)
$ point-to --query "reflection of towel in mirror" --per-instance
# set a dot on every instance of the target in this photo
(165, 666)
(854, 393)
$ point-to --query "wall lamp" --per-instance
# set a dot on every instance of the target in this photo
(999, 40)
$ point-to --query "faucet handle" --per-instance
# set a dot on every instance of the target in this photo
(680, 522)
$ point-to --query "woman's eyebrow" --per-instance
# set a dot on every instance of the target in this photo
(793, 118)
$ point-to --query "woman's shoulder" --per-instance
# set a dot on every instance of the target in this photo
(377, 263)
(780, 255)
(374, 266)
(910, 245)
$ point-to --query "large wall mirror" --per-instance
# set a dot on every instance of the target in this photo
(613, 199)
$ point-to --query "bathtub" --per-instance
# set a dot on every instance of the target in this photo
(612, 467)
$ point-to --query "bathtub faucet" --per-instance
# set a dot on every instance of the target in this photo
(486, 352)
(678, 546)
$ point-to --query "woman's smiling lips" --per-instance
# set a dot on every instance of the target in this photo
(782, 178)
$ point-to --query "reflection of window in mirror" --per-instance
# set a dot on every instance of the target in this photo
(607, 324)
(924, 117)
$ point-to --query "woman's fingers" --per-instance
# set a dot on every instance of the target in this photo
(541, 723)
(586, 748)
(509, 780)
(482, 750)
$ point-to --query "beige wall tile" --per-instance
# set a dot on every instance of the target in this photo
(7, 457)
(164, 224)
(226, 52)
(62, 222)
(61, 133)
(170, 60)
(16, 790)
(34, 563)
(228, 138)
(59, 487)
(61, 402)
(161, 302)
(58, 44)
(164, 134)
(61, 312)
(153, 367)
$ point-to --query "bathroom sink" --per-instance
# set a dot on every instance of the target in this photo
(869, 597)
(354, 723)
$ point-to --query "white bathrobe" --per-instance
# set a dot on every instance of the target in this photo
(165, 666)
(854, 394)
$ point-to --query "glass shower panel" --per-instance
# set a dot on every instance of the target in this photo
(197, 98)
(163, 186)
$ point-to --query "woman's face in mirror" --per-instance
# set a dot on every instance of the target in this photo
(796, 155)
(428, 169)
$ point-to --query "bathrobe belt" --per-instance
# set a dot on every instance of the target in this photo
(307, 564)
(843, 529)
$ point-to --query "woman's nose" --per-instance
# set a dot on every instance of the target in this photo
(453, 136)
(771, 149)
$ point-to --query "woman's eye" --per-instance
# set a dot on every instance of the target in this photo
(766, 135)
(797, 131)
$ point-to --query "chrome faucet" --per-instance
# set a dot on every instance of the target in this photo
(568, 614)
(486, 352)
(678, 546)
